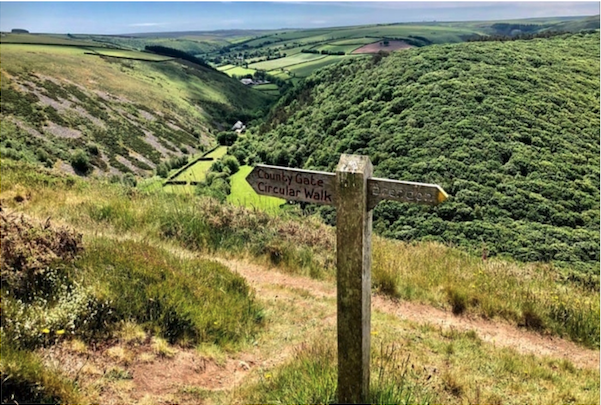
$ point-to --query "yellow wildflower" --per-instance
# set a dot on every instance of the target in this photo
(45, 330)
(60, 332)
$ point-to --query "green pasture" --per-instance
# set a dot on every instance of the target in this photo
(30, 49)
(354, 41)
(305, 69)
(225, 67)
(271, 89)
(282, 74)
(287, 61)
(43, 39)
(338, 48)
(242, 193)
(197, 171)
(217, 153)
(266, 87)
(239, 71)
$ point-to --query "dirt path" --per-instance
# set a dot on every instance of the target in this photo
(498, 333)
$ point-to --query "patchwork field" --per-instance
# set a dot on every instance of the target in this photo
(287, 61)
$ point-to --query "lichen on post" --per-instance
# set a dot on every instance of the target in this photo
(353, 254)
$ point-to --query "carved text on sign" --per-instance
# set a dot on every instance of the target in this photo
(293, 184)
(403, 191)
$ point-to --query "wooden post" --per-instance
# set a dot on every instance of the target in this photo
(353, 254)
(354, 194)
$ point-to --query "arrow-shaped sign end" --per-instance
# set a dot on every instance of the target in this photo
(442, 195)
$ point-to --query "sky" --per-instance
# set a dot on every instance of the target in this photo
(141, 17)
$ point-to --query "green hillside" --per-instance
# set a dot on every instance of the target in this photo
(113, 111)
(509, 129)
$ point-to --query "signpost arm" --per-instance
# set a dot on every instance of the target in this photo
(353, 254)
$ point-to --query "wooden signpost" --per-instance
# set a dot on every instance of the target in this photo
(354, 193)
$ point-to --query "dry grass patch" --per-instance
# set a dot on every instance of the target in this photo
(161, 348)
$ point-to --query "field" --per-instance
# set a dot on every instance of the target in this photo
(270, 89)
(296, 64)
(305, 69)
(43, 39)
(243, 195)
(287, 61)
(255, 52)
(196, 172)
(238, 71)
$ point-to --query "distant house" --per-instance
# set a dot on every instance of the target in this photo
(239, 127)
(251, 82)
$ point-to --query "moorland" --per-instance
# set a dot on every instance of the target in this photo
(138, 266)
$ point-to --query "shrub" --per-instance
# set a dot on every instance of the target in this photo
(231, 163)
(227, 138)
(81, 162)
(162, 170)
(93, 149)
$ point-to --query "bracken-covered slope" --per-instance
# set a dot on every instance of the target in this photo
(509, 129)
(60, 103)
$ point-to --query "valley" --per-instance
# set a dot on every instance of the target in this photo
(139, 265)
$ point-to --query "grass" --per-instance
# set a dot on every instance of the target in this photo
(165, 89)
(133, 259)
(130, 54)
(526, 295)
(25, 379)
(217, 153)
(196, 172)
(43, 39)
(242, 193)
(188, 300)
(410, 362)
(305, 69)
(239, 71)
(287, 61)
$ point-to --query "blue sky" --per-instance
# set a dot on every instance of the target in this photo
(136, 17)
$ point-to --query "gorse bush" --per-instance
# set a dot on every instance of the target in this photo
(29, 251)
(81, 162)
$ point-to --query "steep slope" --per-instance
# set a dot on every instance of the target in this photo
(509, 129)
(123, 115)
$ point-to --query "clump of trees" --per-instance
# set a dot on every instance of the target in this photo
(173, 163)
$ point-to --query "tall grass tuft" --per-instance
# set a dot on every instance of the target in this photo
(529, 295)
(188, 300)
(310, 377)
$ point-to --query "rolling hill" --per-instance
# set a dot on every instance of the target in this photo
(112, 110)
(509, 129)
